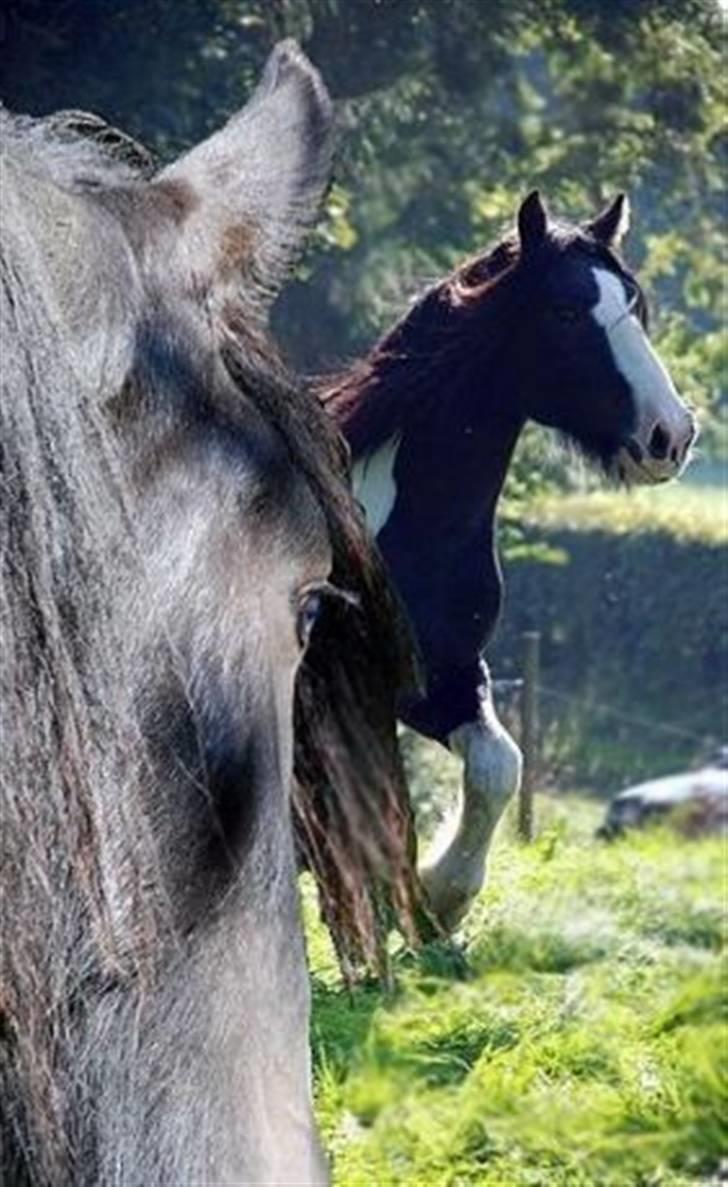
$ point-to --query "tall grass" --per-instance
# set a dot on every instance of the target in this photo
(576, 1035)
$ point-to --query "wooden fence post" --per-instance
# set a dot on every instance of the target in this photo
(529, 732)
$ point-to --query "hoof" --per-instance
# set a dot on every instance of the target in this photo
(448, 903)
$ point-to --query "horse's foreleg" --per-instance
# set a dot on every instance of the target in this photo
(454, 871)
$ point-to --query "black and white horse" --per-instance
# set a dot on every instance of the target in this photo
(550, 326)
(174, 517)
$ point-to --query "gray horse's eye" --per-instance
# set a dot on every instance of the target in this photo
(312, 601)
(309, 612)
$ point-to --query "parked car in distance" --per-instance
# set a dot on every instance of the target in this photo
(693, 802)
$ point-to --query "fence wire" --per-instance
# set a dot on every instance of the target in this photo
(631, 719)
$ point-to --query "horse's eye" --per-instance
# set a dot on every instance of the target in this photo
(567, 313)
(309, 612)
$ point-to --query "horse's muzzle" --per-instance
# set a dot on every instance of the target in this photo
(658, 454)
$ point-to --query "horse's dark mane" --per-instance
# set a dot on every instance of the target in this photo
(350, 796)
(423, 355)
(74, 786)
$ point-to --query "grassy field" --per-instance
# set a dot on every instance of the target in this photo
(575, 1036)
(687, 511)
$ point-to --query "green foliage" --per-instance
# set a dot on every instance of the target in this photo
(450, 111)
(583, 1048)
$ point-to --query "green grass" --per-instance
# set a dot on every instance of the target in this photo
(682, 510)
(576, 1035)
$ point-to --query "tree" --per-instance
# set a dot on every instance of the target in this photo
(450, 111)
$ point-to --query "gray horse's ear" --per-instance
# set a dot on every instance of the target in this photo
(244, 198)
(611, 226)
(532, 222)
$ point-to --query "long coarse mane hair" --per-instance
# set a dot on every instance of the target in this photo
(354, 821)
(74, 760)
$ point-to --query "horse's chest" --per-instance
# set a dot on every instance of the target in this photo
(374, 483)
(437, 544)
(415, 490)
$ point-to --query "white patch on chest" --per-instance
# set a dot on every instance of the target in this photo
(374, 485)
(652, 388)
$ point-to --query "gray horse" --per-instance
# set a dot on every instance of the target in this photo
(175, 526)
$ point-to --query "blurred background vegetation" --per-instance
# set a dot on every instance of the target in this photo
(450, 111)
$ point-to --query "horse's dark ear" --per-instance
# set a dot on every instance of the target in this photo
(246, 196)
(612, 224)
(532, 221)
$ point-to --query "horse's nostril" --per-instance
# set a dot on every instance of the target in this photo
(659, 442)
(674, 455)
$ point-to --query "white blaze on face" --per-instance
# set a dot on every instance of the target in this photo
(374, 485)
(657, 403)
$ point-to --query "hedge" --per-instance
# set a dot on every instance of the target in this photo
(634, 632)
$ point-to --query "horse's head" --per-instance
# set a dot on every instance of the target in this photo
(583, 355)
(175, 518)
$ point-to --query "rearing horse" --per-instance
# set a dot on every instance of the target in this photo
(550, 326)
